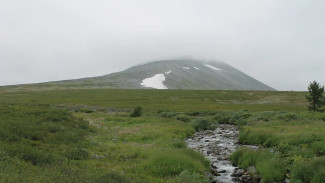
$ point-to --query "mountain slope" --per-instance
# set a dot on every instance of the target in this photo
(172, 74)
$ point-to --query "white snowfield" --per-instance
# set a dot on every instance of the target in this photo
(156, 81)
(168, 72)
(186, 68)
(211, 67)
(196, 68)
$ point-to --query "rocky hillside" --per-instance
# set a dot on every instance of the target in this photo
(171, 74)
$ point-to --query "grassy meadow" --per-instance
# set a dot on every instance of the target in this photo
(87, 135)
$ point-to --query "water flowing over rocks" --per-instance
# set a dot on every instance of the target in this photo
(217, 146)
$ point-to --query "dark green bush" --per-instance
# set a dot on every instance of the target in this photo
(222, 118)
(86, 110)
(183, 118)
(204, 124)
(237, 118)
(137, 111)
(77, 154)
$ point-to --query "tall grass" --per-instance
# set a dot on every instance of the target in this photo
(270, 167)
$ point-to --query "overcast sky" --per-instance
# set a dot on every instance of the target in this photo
(279, 42)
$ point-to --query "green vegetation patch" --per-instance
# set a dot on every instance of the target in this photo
(292, 145)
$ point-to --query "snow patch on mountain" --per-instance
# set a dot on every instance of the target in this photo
(196, 68)
(168, 72)
(186, 68)
(211, 67)
(156, 81)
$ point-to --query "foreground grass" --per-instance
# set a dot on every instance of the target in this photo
(146, 149)
(44, 144)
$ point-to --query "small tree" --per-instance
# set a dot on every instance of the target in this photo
(315, 96)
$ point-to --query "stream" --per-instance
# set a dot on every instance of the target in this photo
(217, 146)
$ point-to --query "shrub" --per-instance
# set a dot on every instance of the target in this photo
(238, 118)
(222, 118)
(86, 110)
(137, 111)
(183, 118)
(204, 124)
(77, 154)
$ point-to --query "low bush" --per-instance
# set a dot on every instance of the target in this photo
(86, 110)
(137, 111)
(235, 118)
(77, 154)
(183, 118)
(204, 124)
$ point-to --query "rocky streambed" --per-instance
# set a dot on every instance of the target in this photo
(217, 146)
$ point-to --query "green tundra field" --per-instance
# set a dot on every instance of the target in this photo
(88, 135)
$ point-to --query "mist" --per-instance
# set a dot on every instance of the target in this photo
(280, 43)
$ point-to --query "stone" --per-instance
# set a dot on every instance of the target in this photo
(214, 165)
(215, 173)
(221, 171)
(238, 173)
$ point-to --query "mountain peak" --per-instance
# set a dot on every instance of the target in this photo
(186, 74)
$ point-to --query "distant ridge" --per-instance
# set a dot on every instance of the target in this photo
(170, 74)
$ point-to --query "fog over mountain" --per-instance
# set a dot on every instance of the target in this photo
(167, 74)
(280, 43)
